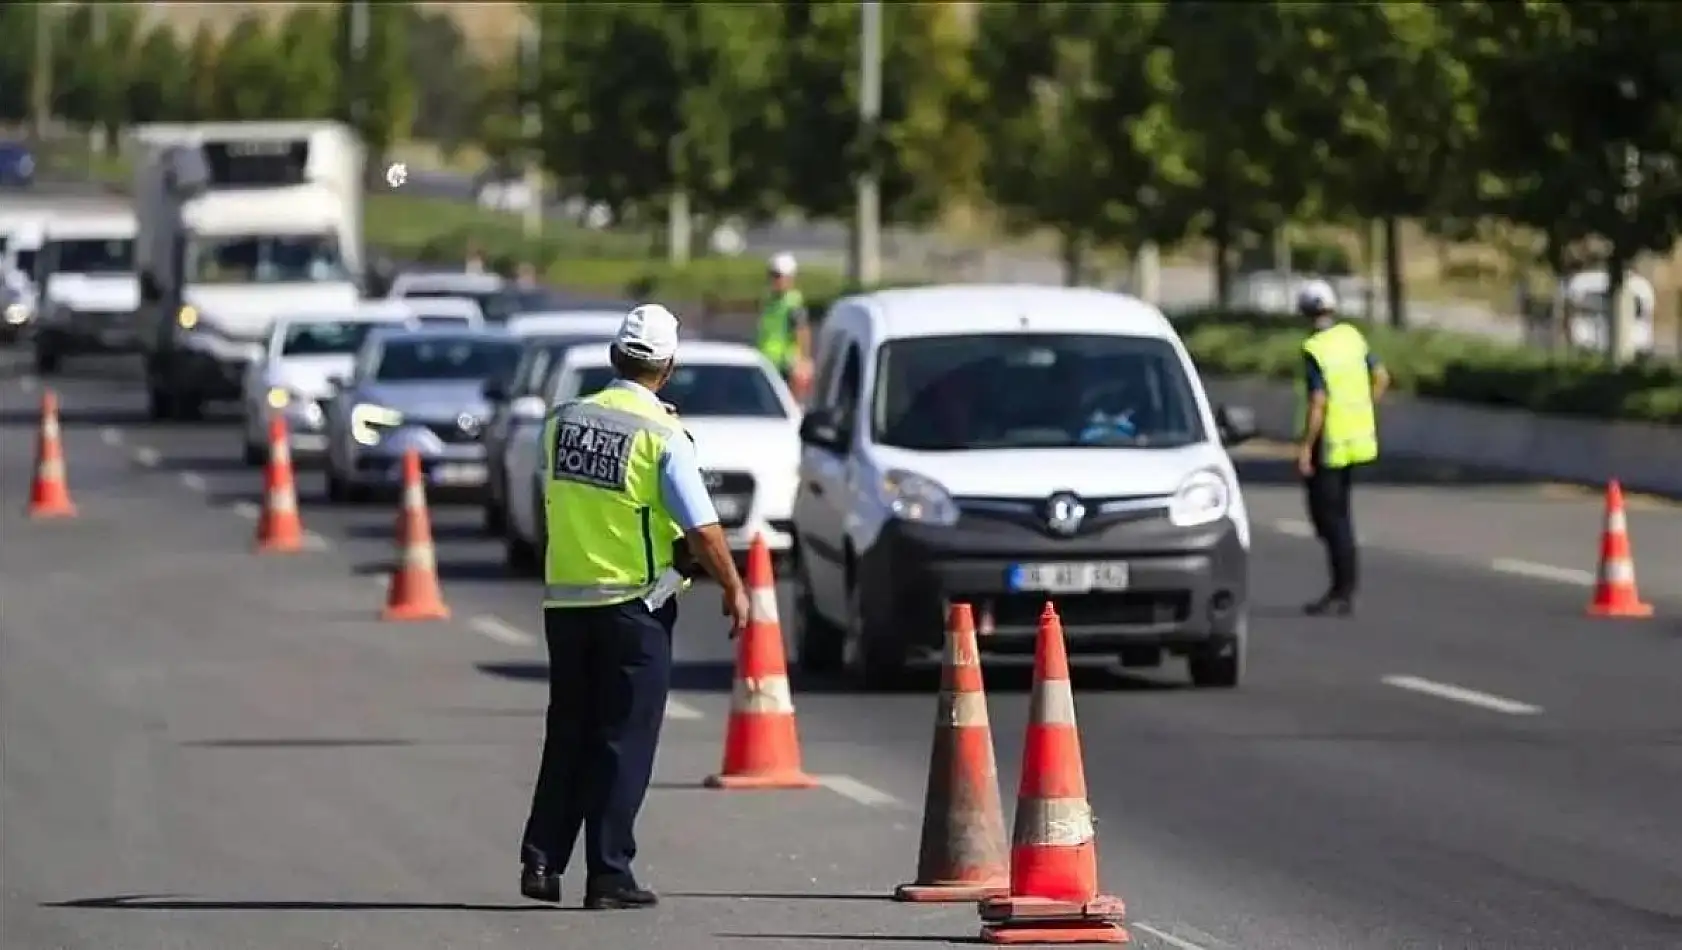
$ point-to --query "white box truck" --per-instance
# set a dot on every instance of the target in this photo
(238, 222)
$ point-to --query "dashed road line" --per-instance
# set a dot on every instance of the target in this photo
(111, 436)
(1545, 572)
(246, 509)
(1294, 528)
(194, 481)
(677, 709)
(501, 631)
(851, 788)
(315, 542)
(147, 456)
(1460, 694)
(1168, 937)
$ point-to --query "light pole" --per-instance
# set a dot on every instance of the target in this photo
(867, 226)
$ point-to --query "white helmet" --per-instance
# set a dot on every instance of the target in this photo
(782, 264)
(1316, 297)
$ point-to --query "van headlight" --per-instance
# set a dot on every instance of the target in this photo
(1202, 498)
(17, 314)
(367, 419)
(912, 497)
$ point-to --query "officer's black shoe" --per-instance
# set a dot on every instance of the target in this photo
(1329, 606)
(619, 895)
(540, 884)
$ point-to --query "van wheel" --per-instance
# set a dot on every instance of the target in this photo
(821, 647)
(874, 657)
(1220, 663)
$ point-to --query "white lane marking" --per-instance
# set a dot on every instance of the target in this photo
(1167, 937)
(1544, 572)
(315, 542)
(147, 456)
(246, 509)
(848, 787)
(678, 709)
(500, 631)
(1460, 694)
(111, 436)
(26, 383)
(193, 480)
(1294, 528)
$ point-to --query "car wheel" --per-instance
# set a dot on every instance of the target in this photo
(189, 406)
(820, 646)
(520, 554)
(256, 455)
(1220, 663)
(47, 361)
(496, 519)
(337, 491)
(874, 657)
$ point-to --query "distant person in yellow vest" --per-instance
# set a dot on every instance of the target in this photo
(1338, 433)
(785, 334)
(623, 501)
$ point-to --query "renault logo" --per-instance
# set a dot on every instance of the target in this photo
(468, 423)
(1064, 514)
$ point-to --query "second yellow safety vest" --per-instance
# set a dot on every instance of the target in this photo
(1350, 435)
(610, 534)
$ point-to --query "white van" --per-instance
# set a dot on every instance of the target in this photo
(1006, 446)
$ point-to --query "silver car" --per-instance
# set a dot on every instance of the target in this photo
(414, 388)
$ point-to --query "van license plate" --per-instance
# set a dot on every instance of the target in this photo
(459, 473)
(1067, 577)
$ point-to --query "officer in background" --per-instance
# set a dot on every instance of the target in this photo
(785, 334)
(1342, 382)
(622, 493)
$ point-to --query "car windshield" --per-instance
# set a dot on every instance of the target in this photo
(518, 300)
(707, 389)
(1033, 391)
(324, 337)
(266, 259)
(93, 255)
(446, 357)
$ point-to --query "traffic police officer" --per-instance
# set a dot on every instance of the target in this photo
(622, 491)
(785, 336)
(1342, 382)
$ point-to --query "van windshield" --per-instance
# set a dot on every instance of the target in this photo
(1033, 391)
(93, 255)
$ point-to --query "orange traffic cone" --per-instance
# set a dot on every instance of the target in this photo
(761, 743)
(1614, 589)
(49, 494)
(279, 531)
(414, 592)
(962, 856)
(1054, 854)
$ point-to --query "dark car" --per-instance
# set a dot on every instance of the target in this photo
(17, 166)
(516, 402)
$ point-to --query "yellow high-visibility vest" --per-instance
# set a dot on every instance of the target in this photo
(1350, 435)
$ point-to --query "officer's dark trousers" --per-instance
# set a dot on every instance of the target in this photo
(1328, 492)
(609, 671)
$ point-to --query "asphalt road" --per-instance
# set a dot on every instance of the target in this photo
(207, 749)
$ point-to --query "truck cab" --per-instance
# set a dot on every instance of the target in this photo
(239, 222)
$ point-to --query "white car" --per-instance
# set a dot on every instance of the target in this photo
(1006, 446)
(732, 402)
(304, 354)
(565, 323)
(446, 313)
(478, 287)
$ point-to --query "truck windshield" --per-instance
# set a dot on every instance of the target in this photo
(91, 255)
(266, 259)
(1033, 391)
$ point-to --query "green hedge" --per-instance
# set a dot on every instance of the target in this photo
(1449, 366)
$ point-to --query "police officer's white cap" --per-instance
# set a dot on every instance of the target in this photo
(1316, 297)
(649, 332)
(783, 264)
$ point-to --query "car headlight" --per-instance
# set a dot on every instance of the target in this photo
(366, 420)
(1202, 498)
(17, 314)
(912, 497)
(279, 397)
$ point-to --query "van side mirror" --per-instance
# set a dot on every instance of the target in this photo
(1237, 424)
(819, 428)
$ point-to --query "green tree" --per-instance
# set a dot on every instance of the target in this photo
(449, 81)
(204, 54)
(307, 44)
(377, 95)
(250, 73)
(1385, 116)
(1235, 87)
(159, 86)
(17, 58)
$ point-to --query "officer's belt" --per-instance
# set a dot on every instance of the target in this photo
(589, 595)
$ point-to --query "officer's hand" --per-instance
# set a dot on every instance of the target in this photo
(736, 607)
(1305, 462)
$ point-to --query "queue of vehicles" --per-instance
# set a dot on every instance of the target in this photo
(998, 445)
